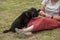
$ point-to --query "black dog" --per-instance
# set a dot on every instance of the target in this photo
(23, 19)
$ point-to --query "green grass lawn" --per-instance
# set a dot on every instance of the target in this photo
(11, 9)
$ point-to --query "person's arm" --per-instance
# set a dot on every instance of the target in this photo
(43, 8)
(42, 12)
(43, 4)
(57, 17)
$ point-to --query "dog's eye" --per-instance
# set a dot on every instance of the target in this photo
(27, 14)
(33, 15)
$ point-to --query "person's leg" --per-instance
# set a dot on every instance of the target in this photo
(29, 29)
(25, 31)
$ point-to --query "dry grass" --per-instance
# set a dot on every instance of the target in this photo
(10, 9)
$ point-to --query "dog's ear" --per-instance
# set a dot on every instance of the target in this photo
(34, 12)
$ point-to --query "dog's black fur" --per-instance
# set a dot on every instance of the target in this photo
(23, 19)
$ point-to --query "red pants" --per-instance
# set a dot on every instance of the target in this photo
(43, 24)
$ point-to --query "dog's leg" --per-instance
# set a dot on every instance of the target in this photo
(12, 29)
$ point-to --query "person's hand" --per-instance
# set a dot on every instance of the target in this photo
(56, 17)
(38, 17)
(49, 16)
(42, 13)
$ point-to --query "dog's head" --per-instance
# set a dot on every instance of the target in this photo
(33, 12)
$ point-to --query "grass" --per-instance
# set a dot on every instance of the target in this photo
(11, 9)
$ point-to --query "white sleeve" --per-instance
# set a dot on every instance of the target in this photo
(44, 2)
(59, 10)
